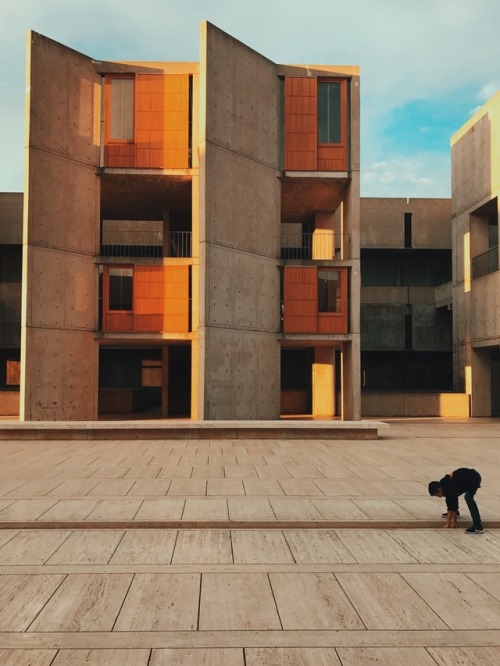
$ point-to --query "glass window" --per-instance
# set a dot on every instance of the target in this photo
(122, 109)
(120, 288)
(329, 112)
(329, 283)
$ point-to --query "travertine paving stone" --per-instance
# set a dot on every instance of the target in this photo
(260, 547)
(317, 546)
(205, 509)
(32, 547)
(161, 602)
(370, 546)
(161, 509)
(312, 601)
(87, 547)
(71, 510)
(115, 509)
(26, 509)
(386, 601)
(110, 657)
(463, 656)
(457, 599)
(232, 602)
(84, 602)
(294, 509)
(198, 657)
(28, 657)
(393, 656)
(203, 547)
(291, 657)
(256, 510)
(145, 547)
(22, 597)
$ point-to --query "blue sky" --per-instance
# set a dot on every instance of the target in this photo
(426, 65)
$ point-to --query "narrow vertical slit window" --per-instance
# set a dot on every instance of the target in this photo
(329, 112)
(122, 109)
(408, 232)
(408, 330)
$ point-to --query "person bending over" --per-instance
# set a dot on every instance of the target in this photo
(462, 481)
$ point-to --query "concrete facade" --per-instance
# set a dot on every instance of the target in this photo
(406, 309)
(476, 277)
(207, 167)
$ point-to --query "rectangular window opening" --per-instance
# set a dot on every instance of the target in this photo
(329, 112)
(329, 291)
(120, 288)
(121, 125)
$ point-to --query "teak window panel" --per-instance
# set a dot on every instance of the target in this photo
(305, 296)
(316, 124)
(160, 133)
(161, 301)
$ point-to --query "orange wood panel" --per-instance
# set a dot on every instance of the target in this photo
(176, 299)
(162, 121)
(300, 123)
(300, 300)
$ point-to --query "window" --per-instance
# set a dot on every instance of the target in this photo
(120, 288)
(121, 125)
(10, 369)
(407, 230)
(329, 112)
(10, 263)
(329, 291)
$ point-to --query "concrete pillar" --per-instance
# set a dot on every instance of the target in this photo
(481, 382)
(323, 382)
(351, 381)
(164, 380)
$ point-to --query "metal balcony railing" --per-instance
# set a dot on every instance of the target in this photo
(321, 244)
(146, 244)
(485, 263)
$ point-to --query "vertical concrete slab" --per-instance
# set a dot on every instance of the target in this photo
(60, 235)
(239, 212)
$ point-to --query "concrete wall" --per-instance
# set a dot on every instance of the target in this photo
(61, 231)
(382, 222)
(475, 153)
(11, 218)
(239, 230)
(415, 404)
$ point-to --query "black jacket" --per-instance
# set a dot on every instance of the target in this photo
(458, 482)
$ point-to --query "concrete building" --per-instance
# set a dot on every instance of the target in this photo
(475, 155)
(191, 236)
(10, 301)
(406, 309)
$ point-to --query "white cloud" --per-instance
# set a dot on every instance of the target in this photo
(424, 175)
(406, 50)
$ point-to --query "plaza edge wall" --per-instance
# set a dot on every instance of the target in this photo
(61, 227)
(239, 231)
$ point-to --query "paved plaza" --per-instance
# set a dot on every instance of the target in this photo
(261, 552)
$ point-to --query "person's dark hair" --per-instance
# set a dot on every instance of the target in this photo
(434, 486)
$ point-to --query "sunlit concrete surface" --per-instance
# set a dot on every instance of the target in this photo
(256, 552)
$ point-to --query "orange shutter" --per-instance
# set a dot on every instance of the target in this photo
(300, 300)
(148, 298)
(301, 123)
(176, 299)
(162, 121)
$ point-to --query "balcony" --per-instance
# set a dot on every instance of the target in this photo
(319, 245)
(146, 244)
(485, 263)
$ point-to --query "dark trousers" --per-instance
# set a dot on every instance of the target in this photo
(471, 502)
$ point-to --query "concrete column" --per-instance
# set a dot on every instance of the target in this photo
(351, 381)
(481, 382)
(323, 382)
(164, 380)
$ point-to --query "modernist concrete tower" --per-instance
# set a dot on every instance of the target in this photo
(191, 236)
(475, 156)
